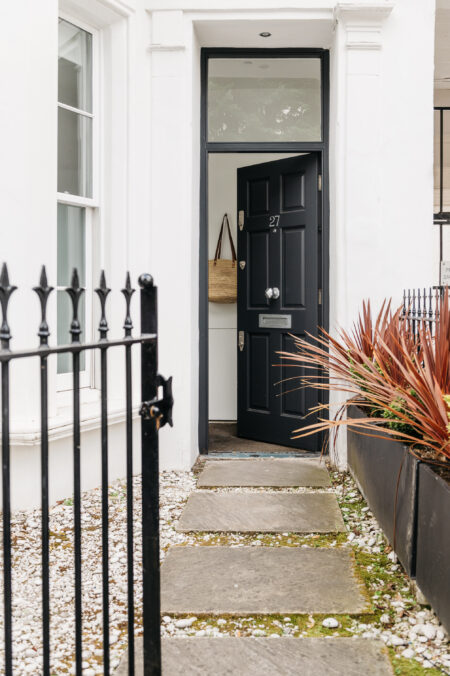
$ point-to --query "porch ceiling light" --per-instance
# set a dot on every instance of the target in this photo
(265, 34)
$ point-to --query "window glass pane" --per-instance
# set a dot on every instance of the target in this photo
(266, 100)
(74, 66)
(71, 244)
(437, 161)
(64, 313)
(74, 153)
(445, 195)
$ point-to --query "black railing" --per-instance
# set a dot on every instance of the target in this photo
(154, 413)
(421, 306)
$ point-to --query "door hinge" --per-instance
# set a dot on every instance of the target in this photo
(241, 340)
(320, 297)
(241, 219)
(242, 265)
(319, 182)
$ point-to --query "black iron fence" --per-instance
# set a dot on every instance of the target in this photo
(154, 413)
(421, 306)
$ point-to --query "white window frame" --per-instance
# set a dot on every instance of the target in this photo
(64, 381)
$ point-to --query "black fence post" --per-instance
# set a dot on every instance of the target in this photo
(75, 292)
(43, 291)
(6, 289)
(150, 482)
(128, 327)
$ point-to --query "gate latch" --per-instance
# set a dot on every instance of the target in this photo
(161, 409)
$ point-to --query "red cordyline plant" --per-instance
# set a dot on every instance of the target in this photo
(401, 381)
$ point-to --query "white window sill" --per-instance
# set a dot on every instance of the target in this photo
(60, 426)
(88, 396)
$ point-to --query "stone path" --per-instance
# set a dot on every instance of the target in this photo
(262, 513)
(247, 580)
(259, 581)
(267, 657)
(270, 472)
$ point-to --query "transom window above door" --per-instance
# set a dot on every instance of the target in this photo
(264, 100)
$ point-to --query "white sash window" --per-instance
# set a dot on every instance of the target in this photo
(76, 185)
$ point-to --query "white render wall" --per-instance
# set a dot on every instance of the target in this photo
(381, 183)
(28, 118)
(380, 169)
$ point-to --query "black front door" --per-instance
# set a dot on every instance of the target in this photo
(278, 294)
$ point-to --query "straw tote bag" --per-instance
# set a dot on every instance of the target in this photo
(222, 280)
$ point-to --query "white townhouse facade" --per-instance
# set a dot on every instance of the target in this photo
(129, 127)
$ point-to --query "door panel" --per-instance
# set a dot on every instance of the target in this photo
(259, 368)
(258, 275)
(280, 246)
(293, 268)
(258, 196)
(292, 399)
(292, 191)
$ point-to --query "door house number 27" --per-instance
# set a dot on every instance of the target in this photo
(274, 221)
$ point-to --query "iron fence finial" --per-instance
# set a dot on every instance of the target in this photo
(6, 290)
(43, 291)
(75, 292)
(102, 291)
(128, 292)
(145, 280)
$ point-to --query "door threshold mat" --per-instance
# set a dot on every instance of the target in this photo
(240, 454)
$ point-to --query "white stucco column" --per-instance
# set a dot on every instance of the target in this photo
(174, 233)
(28, 121)
(381, 196)
(358, 229)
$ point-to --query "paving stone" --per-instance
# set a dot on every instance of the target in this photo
(262, 512)
(259, 580)
(275, 472)
(229, 656)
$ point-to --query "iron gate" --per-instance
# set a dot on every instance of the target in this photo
(154, 413)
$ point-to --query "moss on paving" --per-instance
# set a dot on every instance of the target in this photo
(270, 539)
(404, 667)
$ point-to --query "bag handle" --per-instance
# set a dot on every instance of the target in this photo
(219, 241)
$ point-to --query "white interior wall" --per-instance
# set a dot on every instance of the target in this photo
(222, 198)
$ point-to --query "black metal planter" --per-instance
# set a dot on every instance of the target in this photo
(433, 542)
(387, 475)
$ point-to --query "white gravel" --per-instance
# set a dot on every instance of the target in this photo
(410, 629)
(27, 625)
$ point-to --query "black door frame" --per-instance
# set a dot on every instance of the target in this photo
(322, 150)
